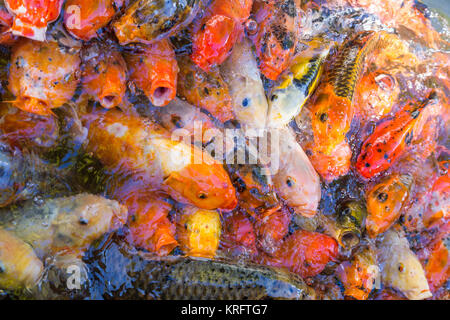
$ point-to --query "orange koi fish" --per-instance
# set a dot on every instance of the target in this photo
(390, 139)
(6, 22)
(385, 202)
(276, 36)
(134, 146)
(147, 21)
(332, 107)
(154, 71)
(206, 90)
(437, 269)
(42, 76)
(332, 166)
(271, 228)
(104, 74)
(31, 17)
(214, 35)
(83, 18)
(375, 94)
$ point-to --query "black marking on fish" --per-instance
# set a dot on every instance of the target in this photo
(306, 82)
(347, 68)
(288, 7)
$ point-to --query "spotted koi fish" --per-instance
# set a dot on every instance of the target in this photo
(390, 139)
(332, 106)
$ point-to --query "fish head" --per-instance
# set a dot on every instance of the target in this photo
(85, 220)
(207, 186)
(351, 217)
(199, 232)
(385, 201)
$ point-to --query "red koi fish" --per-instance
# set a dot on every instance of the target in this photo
(390, 139)
(305, 253)
(220, 28)
(31, 17)
(239, 234)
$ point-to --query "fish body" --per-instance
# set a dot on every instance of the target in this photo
(296, 180)
(390, 139)
(179, 278)
(401, 269)
(104, 74)
(83, 18)
(206, 90)
(254, 185)
(332, 107)
(147, 21)
(19, 266)
(271, 227)
(154, 71)
(42, 76)
(63, 224)
(59, 228)
(238, 236)
(304, 253)
(295, 86)
(131, 145)
(219, 29)
(31, 17)
(241, 73)
(385, 201)
(148, 219)
(25, 130)
(276, 36)
(330, 166)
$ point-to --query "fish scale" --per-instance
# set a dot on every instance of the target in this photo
(180, 278)
(347, 68)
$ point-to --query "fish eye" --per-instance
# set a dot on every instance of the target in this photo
(2, 268)
(290, 182)
(323, 117)
(382, 196)
(401, 267)
(245, 102)
(202, 195)
(83, 221)
(346, 211)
